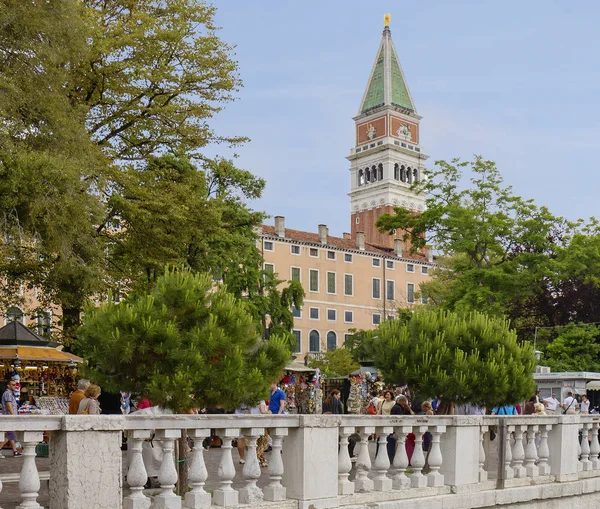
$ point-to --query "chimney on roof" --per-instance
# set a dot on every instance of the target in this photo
(398, 247)
(280, 226)
(347, 236)
(360, 240)
(429, 252)
(323, 232)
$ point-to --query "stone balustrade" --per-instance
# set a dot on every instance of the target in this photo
(393, 458)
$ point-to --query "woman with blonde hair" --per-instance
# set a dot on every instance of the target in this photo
(540, 409)
(89, 404)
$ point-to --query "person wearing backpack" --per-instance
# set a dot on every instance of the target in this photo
(89, 405)
(504, 410)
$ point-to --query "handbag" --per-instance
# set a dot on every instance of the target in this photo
(371, 409)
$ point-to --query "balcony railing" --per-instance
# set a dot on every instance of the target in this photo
(448, 457)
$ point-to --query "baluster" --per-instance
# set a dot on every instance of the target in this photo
(167, 474)
(417, 479)
(518, 452)
(363, 463)
(225, 495)
(197, 498)
(399, 480)
(586, 464)
(381, 482)
(434, 478)
(508, 470)
(531, 469)
(29, 483)
(543, 450)
(483, 475)
(595, 447)
(136, 473)
(275, 491)
(345, 486)
(251, 493)
(579, 463)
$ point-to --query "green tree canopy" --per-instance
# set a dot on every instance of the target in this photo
(335, 363)
(472, 358)
(187, 344)
(575, 347)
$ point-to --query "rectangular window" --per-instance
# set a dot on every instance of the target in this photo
(314, 313)
(424, 270)
(348, 284)
(269, 267)
(376, 318)
(295, 273)
(389, 290)
(348, 258)
(376, 288)
(410, 293)
(376, 262)
(410, 267)
(390, 317)
(296, 312)
(313, 280)
(348, 316)
(346, 337)
(424, 297)
(331, 282)
(268, 245)
(331, 255)
(295, 249)
(298, 337)
(314, 252)
(331, 315)
(390, 264)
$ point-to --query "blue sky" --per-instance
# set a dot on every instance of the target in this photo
(517, 82)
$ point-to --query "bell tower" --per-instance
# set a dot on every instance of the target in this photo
(387, 157)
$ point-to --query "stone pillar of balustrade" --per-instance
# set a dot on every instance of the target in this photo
(563, 441)
(460, 450)
(225, 495)
(381, 482)
(29, 483)
(167, 474)
(251, 493)
(137, 475)
(310, 461)
(586, 462)
(197, 497)
(518, 452)
(86, 462)
(595, 447)
(345, 486)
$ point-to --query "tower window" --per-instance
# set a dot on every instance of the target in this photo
(380, 172)
(358, 220)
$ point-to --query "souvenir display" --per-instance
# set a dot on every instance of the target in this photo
(53, 405)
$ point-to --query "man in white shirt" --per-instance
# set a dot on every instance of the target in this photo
(584, 406)
(551, 404)
(569, 404)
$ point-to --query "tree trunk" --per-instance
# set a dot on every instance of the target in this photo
(182, 465)
(71, 320)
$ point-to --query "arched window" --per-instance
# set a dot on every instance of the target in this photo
(409, 175)
(331, 340)
(396, 172)
(402, 174)
(374, 173)
(380, 172)
(367, 175)
(14, 314)
(416, 175)
(361, 177)
(314, 341)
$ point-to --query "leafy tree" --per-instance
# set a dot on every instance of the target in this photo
(576, 348)
(185, 345)
(472, 358)
(335, 363)
(497, 244)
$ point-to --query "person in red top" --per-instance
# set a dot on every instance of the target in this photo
(144, 403)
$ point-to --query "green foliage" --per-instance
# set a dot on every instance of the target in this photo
(472, 358)
(575, 348)
(185, 345)
(335, 363)
(496, 244)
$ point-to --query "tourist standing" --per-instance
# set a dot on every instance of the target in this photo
(332, 404)
(530, 406)
(388, 403)
(89, 405)
(78, 395)
(569, 404)
(277, 400)
(504, 410)
(9, 407)
(551, 404)
(584, 406)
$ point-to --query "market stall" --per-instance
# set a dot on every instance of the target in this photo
(45, 374)
(302, 387)
(363, 382)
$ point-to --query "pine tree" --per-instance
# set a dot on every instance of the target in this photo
(187, 344)
(472, 358)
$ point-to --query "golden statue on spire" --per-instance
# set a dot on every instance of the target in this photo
(386, 20)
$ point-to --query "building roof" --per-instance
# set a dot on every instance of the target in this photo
(387, 84)
(15, 333)
(41, 353)
(335, 243)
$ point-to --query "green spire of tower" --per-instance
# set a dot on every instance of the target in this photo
(387, 83)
